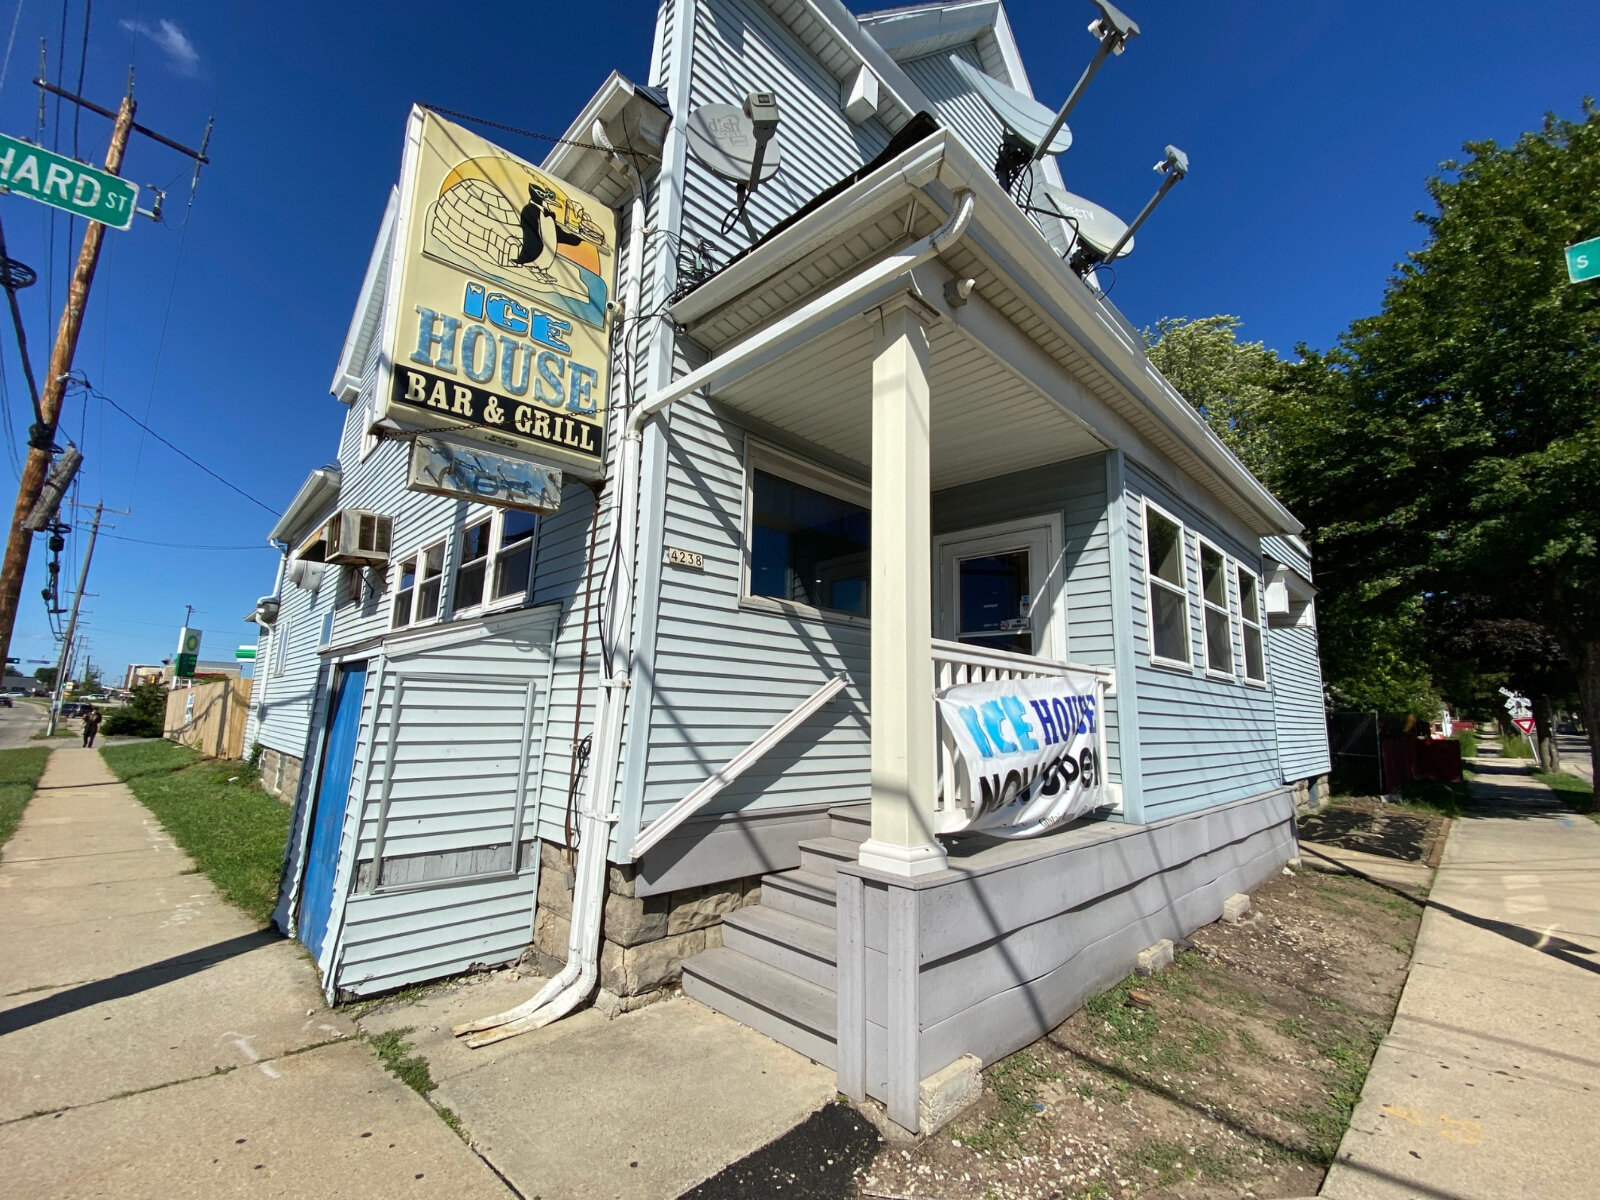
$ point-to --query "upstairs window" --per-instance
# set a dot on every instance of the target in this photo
(496, 559)
(431, 583)
(1169, 588)
(513, 560)
(1219, 622)
(809, 536)
(473, 567)
(1255, 663)
(416, 596)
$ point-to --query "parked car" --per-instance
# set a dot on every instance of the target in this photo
(73, 709)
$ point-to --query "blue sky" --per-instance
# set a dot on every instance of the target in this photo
(1310, 128)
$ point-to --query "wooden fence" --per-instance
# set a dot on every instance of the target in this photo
(210, 717)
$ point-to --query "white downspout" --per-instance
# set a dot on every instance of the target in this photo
(577, 978)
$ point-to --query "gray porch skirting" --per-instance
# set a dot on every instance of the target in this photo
(993, 953)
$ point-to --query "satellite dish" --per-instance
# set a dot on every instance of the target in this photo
(1099, 229)
(1018, 112)
(725, 142)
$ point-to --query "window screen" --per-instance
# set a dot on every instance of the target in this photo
(1169, 599)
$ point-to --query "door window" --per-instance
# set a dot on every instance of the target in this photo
(994, 595)
(999, 587)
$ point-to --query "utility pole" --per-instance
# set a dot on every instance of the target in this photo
(72, 623)
(42, 436)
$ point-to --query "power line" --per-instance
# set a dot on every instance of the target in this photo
(184, 545)
(231, 486)
(5, 67)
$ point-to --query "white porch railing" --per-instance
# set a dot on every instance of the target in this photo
(959, 662)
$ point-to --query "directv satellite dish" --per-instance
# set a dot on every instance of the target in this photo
(1018, 112)
(725, 141)
(1099, 229)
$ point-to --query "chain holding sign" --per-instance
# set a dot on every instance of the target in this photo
(1023, 756)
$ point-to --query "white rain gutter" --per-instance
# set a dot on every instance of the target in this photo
(577, 979)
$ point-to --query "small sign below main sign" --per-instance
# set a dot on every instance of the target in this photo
(445, 469)
(64, 183)
(1524, 723)
(1583, 261)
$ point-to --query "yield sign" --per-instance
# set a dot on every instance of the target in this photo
(1525, 724)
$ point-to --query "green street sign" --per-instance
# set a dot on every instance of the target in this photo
(1583, 261)
(65, 183)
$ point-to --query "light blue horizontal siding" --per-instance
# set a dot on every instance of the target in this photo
(1302, 725)
(724, 674)
(740, 47)
(1203, 741)
(457, 759)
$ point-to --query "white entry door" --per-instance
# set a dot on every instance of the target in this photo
(1000, 587)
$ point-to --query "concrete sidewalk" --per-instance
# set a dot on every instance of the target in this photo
(155, 1043)
(1488, 1084)
(643, 1107)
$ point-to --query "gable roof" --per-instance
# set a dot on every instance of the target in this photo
(368, 318)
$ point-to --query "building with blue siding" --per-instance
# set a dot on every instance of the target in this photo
(873, 436)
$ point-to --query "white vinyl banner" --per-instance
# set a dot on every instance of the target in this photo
(1027, 754)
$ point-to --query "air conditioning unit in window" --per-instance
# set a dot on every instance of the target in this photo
(357, 537)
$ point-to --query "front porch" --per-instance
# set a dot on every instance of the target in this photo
(979, 399)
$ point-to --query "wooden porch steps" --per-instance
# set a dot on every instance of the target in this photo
(776, 968)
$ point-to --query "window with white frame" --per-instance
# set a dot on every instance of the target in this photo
(1255, 662)
(1169, 587)
(808, 535)
(496, 561)
(1218, 619)
(417, 584)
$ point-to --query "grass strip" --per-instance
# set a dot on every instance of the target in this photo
(217, 812)
(1570, 789)
(19, 777)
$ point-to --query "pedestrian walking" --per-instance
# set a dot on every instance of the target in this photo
(91, 726)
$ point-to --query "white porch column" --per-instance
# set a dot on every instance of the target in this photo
(903, 749)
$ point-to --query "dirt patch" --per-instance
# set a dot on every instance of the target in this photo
(1373, 825)
(1232, 1074)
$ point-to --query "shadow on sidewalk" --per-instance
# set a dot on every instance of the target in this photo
(131, 983)
(1544, 943)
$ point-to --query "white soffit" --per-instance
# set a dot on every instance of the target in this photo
(987, 421)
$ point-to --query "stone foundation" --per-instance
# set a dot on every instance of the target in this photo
(645, 938)
(1311, 794)
(280, 774)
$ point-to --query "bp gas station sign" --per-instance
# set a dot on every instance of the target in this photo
(188, 653)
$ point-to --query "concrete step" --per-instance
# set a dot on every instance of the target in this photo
(787, 1009)
(785, 941)
(823, 856)
(853, 822)
(802, 893)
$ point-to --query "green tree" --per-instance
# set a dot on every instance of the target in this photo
(143, 716)
(46, 676)
(1234, 385)
(1469, 408)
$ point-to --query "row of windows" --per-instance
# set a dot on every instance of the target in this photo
(1166, 562)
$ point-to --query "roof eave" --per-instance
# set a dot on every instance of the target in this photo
(320, 489)
(943, 160)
